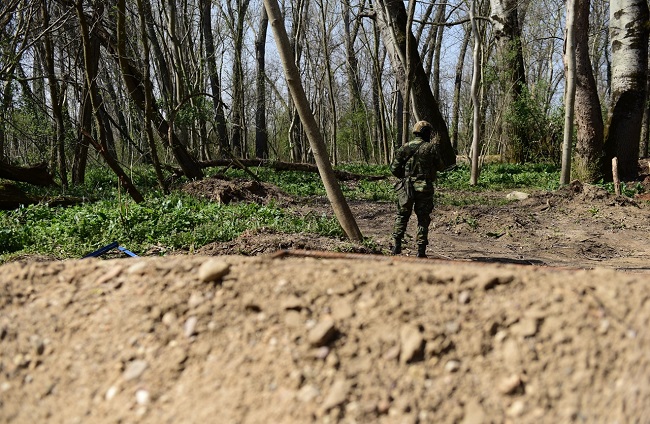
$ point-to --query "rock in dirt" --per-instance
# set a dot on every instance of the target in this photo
(322, 333)
(213, 270)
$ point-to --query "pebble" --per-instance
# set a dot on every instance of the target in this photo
(142, 397)
(111, 392)
(411, 343)
(134, 369)
(452, 365)
(213, 270)
(516, 409)
(189, 329)
(337, 395)
(341, 309)
(509, 384)
(322, 333)
(464, 297)
(308, 393)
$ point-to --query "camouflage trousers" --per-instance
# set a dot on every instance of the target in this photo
(422, 204)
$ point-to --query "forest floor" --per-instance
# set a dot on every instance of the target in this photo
(534, 311)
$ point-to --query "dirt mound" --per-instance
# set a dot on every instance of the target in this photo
(225, 190)
(295, 340)
(263, 240)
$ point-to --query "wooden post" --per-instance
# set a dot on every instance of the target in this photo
(617, 182)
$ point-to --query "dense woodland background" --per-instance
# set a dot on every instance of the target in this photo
(178, 84)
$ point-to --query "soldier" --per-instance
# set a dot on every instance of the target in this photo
(416, 164)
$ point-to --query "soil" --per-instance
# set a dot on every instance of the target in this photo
(536, 311)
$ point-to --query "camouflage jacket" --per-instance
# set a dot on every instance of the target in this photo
(420, 161)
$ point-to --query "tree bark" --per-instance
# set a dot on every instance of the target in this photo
(91, 79)
(391, 18)
(37, 175)
(570, 91)
(334, 193)
(261, 136)
(588, 114)
(476, 83)
(55, 99)
(215, 86)
(629, 38)
(511, 65)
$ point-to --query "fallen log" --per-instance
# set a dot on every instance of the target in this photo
(288, 166)
(35, 174)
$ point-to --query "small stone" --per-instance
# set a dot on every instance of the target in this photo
(213, 270)
(189, 329)
(322, 333)
(463, 297)
(142, 397)
(452, 327)
(134, 369)
(308, 393)
(508, 385)
(516, 409)
(411, 343)
(169, 318)
(517, 195)
(111, 392)
(452, 365)
(337, 395)
(474, 413)
(195, 300)
(322, 352)
(527, 327)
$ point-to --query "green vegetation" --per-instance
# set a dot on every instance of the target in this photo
(181, 222)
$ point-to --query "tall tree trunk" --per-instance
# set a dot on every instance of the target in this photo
(391, 17)
(440, 29)
(588, 114)
(334, 193)
(458, 80)
(629, 37)
(135, 86)
(55, 99)
(213, 74)
(261, 136)
(511, 64)
(237, 117)
(570, 90)
(476, 83)
(148, 101)
(91, 79)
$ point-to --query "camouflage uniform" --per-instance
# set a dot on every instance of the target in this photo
(420, 160)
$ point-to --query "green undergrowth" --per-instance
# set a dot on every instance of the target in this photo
(175, 222)
(180, 222)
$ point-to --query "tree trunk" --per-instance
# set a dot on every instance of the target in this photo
(588, 114)
(391, 17)
(458, 80)
(476, 83)
(261, 136)
(629, 38)
(511, 65)
(570, 90)
(215, 86)
(148, 101)
(334, 193)
(91, 79)
(134, 82)
(55, 99)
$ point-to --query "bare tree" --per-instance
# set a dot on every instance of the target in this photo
(334, 193)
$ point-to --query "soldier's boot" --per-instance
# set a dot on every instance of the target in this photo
(397, 247)
(422, 251)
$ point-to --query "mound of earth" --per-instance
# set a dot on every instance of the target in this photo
(286, 339)
(226, 190)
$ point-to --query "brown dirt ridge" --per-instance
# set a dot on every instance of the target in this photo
(534, 311)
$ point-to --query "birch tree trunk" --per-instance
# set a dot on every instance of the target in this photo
(570, 91)
(628, 27)
(476, 83)
(334, 193)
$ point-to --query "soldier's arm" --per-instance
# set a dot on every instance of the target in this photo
(398, 165)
